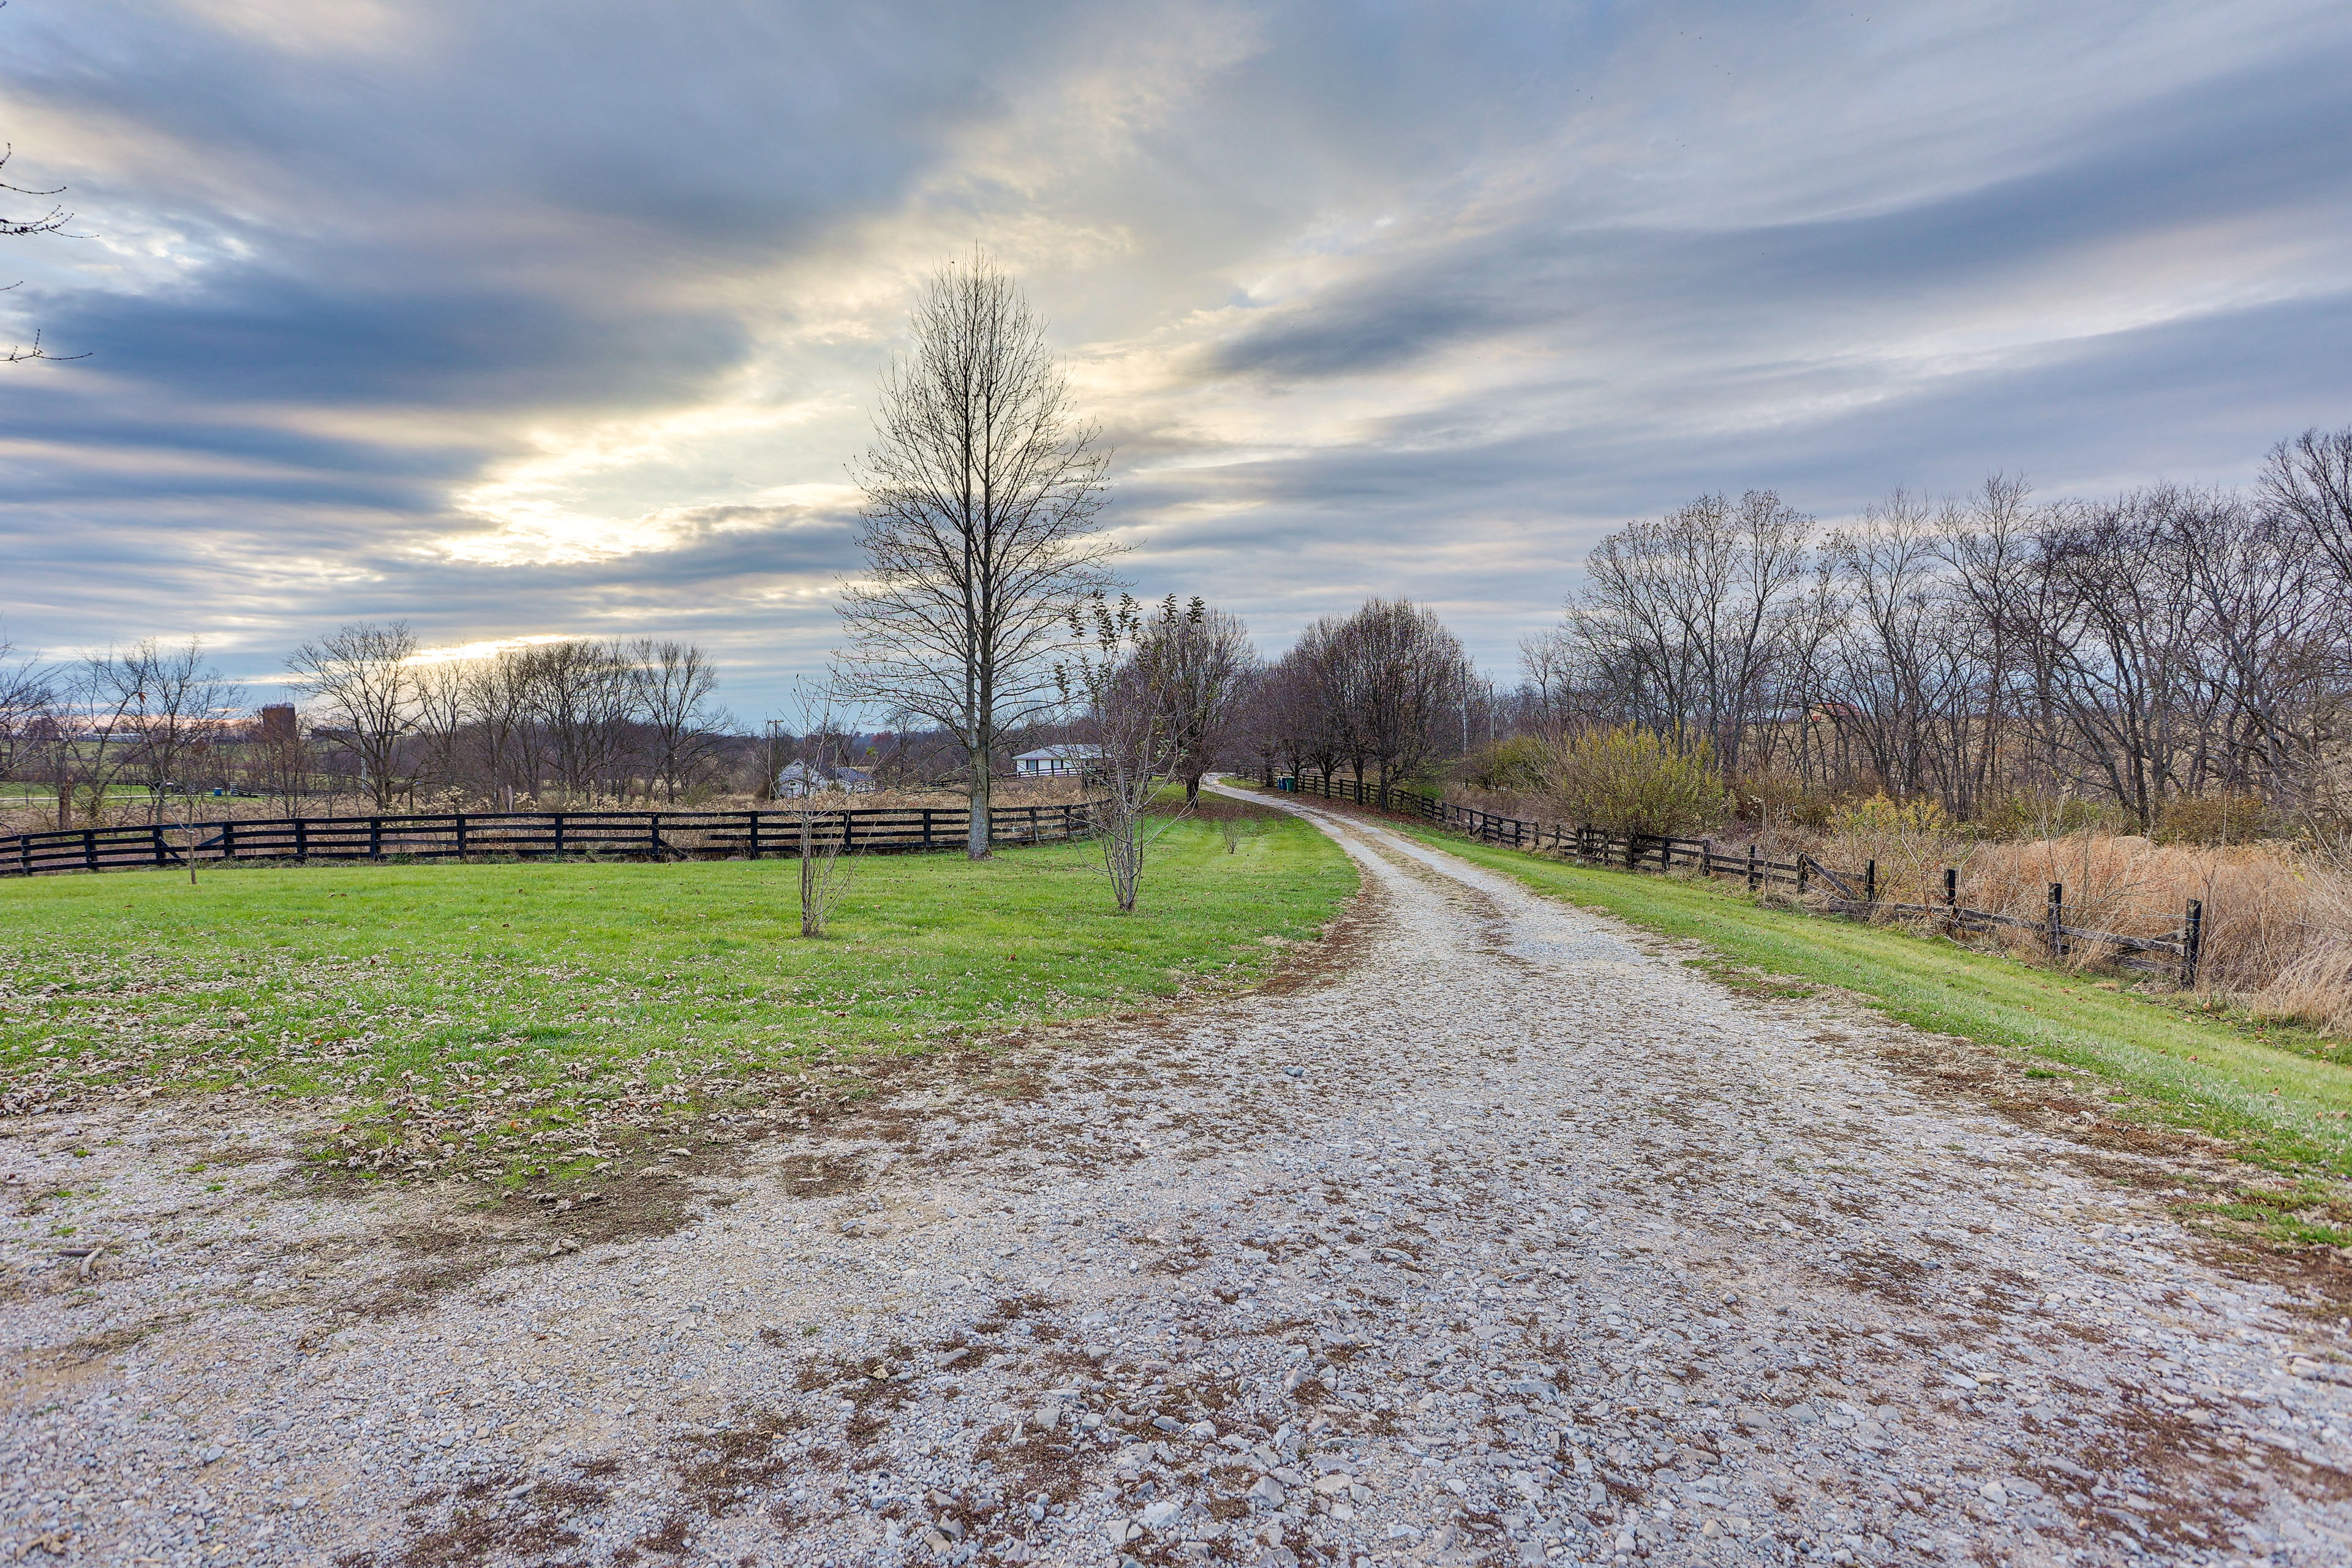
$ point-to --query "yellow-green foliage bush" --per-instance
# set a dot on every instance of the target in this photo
(1633, 780)
(1880, 814)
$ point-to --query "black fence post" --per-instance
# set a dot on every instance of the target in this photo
(2192, 943)
(2057, 922)
(652, 835)
(1870, 883)
(1755, 871)
(1952, 897)
(1804, 868)
(158, 832)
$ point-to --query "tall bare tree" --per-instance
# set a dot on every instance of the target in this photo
(982, 490)
(2309, 479)
(443, 763)
(673, 682)
(362, 681)
(180, 705)
(497, 699)
(581, 700)
(27, 712)
(94, 736)
(1685, 616)
(1120, 673)
(1205, 664)
(1412, 682)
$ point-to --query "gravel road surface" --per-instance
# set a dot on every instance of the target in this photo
(1494, 1234)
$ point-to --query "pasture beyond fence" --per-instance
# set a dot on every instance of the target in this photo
(465, 834)
(1849, 892)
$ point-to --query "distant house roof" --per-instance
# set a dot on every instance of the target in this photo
(1066, 754)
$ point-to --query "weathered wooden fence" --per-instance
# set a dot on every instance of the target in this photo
(462, 835)
(1851, 892)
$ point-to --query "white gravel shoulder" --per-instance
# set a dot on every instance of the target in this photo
(1508, 1240)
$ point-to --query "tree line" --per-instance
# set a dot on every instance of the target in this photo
(2167, 645)
(379, 717)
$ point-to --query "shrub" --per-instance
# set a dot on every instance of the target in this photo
(1902, 818)
(1514, 766)
(1634, 781)
(2212, 819)
(1785, 802)
(2023, 815)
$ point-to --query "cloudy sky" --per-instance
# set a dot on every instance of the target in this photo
(565, 316)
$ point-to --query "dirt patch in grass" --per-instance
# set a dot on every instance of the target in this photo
(1306, 967)
(2252, 1223)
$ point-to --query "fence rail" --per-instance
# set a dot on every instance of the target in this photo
(1852, 892)
(629, 834)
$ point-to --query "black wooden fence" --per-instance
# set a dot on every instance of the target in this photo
(1852, 892)
(612, 834)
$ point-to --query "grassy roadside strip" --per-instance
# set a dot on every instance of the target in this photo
(2151, 1064)
(487, 1017)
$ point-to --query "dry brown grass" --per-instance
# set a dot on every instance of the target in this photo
(2278, 920)
(2278, 916)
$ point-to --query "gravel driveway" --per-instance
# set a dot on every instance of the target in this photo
(1497, 1234)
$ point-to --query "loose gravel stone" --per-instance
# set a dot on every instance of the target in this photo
(1507, 1240)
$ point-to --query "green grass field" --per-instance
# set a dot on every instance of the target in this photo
(460, 990)
(2286, 1108)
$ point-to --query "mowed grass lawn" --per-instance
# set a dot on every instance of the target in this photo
(548, 989)
(2289, 1109)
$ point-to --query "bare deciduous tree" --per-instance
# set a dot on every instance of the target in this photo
(673, 682)
(579, 697)
(497, 701)
(180, 705)
(821, 826)
(1117, 674)
(363, 683)
(444, 721)
(983, 489)
(28, 698)
(1685, 618)
(1204, 663)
